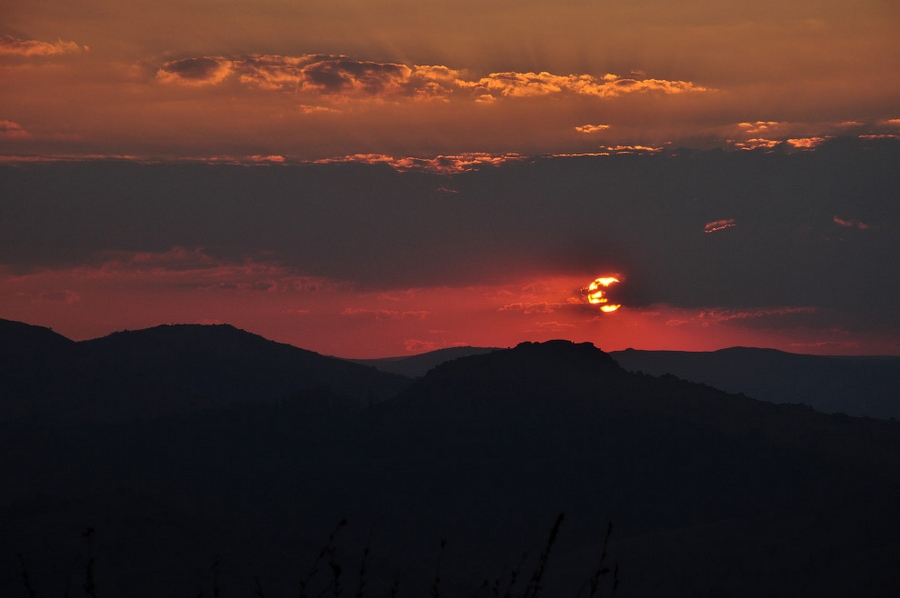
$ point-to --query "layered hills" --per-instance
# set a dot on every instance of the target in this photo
(710, 494)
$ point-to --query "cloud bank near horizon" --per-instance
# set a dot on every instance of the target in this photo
(814, 231)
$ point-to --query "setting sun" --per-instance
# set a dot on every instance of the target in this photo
(597, 291)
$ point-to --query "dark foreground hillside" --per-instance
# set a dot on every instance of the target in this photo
(709, 494)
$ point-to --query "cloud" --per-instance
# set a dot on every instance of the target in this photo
(631, 149)
(439, 164)
(384, 314)
(532, 308)
(56, 297)
(806, 142)
(718, 225)
(756, 143)
(195, 71)
(714, 316)
(386, 229)
(339, 76)
(418, 346)
(530, 84)
(760, 126)
(851, 223)
(588, 129)
(11, 130)
(30, 48)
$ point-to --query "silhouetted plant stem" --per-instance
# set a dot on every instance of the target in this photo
(25, 579)
(215, 577)
(601, 570)
(534, 586)
(436, 585)
(90, 588)
(513, 576)
(259, 590)
(362, 569)
(327, 550)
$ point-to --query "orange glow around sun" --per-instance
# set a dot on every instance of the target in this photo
(596, 293)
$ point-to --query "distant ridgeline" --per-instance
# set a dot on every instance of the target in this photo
(446, 479)
(858, 386)
(165, 370)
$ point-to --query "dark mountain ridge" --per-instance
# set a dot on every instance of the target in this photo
(706, 489)
(163, 370)
(859, 386)
(862, 386)
(416, 366)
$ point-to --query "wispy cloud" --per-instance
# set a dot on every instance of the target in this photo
(448, 164)
(756, 143)
(806, 142)
(11, 130)
(32, 48)
(588, 129)
(849, 223)
(760, 126)
(514, 84)
(631, 149)
(720, 315)
(718, 225)
(384, 314)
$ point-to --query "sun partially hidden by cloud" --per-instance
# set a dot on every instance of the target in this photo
(597, 293)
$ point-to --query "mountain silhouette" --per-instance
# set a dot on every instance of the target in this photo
(164, 370)
(860, 386)
(416, 366)
(711, 493)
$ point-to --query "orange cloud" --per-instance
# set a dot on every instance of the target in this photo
(759, 126)
(11, 130)
(588, 129)
(440, 164)
(31, 48)
(851, 223)
(631, 149)
(341, 76)
(513, 84)
(756, 143)
(712, 227)
(806, 142)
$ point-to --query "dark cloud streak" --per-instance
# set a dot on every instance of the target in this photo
(641, 215)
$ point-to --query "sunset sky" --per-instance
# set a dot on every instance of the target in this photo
(371, 179)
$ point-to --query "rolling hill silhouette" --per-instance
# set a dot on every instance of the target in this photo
(165, 370)
(711, 494)
(864, 386)
(860, 386)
